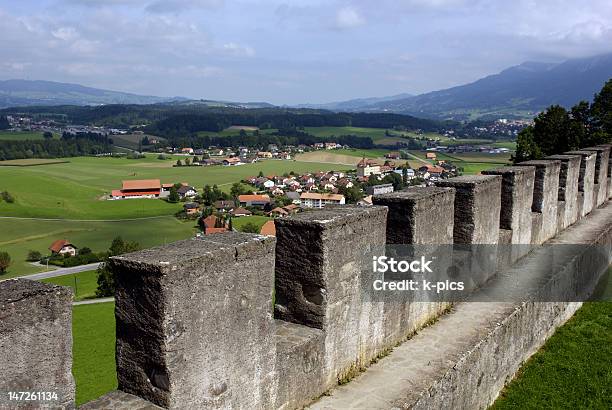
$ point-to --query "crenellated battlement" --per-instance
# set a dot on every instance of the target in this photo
(238, 320)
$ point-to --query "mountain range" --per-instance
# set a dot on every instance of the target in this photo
(519, 91)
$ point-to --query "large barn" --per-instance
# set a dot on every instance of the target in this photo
(138, 188)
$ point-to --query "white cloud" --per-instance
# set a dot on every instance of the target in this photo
(348, 17)
(238, 50)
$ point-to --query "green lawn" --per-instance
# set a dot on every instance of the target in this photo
(17, 237)
(83, 284)
(238, 223)
(20, 135)
(73, 190)
(93, 367)
(368, 153)
(572, 370)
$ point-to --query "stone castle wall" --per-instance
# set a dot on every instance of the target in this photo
(245, 321)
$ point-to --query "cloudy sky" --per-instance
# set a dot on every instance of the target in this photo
(288, 52)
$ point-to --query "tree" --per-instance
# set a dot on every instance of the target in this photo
(173, 197)
(47, 135)
(179, 163)
(526, 147)
(5, 262)
(230, 225)
(119, 246)
(601, 109)
(260, 175)
(250, 227)
(236, 190)
(187, 161)
(7, 197)
(34, 256)
(4, 124)
(106, 281)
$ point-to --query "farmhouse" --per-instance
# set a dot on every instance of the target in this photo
(258, 201)
(232, 161)
(138, 188)
(431, 155)
(316, 200)
(63, 247)
(186, 191)
(238, 212)
(191, 208)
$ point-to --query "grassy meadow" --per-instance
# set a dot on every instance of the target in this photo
(83, 284)
(18, 236)
(20, 135)
(93, 349)
(75, 190)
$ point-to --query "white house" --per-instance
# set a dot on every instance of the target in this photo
(316, 200)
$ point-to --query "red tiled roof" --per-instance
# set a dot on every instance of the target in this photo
(268, 229)
(241, 211)
(59, 244)
(142, 184)
(253, 198)
(134, 193)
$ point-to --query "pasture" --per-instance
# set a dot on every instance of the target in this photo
(93, 350)
(83, 284)
(20, 135)
(76, 190)
(18, 236)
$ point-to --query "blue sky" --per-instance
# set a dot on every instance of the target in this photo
(288, 52)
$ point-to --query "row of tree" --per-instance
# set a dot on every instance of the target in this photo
(558, 130)
(69, 145)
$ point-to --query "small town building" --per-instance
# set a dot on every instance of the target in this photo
(63, 247)
(367, 167)
(232, 161)
(238, 212)
(186, 191)
(317, 200)
(379, 189)
(258, 201)
(278, 212)
(191, 208)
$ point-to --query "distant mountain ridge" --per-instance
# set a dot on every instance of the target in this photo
(521, 90)
(37, 92)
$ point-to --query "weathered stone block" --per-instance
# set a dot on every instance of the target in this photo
(36, 341)
(299, 364)
(420, 216)
(586, 179)
(477, 208)
(516, 200)
(545, 196)
(569, 175)
(319, 260)
(601, 172)
(194, 322)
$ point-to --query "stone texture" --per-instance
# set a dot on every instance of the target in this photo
(464, 359)
(545, 197)
(601, 173)
(568, 188)
(586, 180)
(118, 400)
(194, 322)
(299, 364)
(36, 340)
(419, 215)
(319, 259)
(516, 200)
(477, 208)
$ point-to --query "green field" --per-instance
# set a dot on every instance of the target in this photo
(573, 368)
(18, 236)
(368, 153)
(20, 135)
(257, 220)
(31, 162)
(74, 190)
(83, 284)
(93, 367)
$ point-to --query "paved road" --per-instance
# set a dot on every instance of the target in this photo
(93, 301)
(417, 158)
(61, 272)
